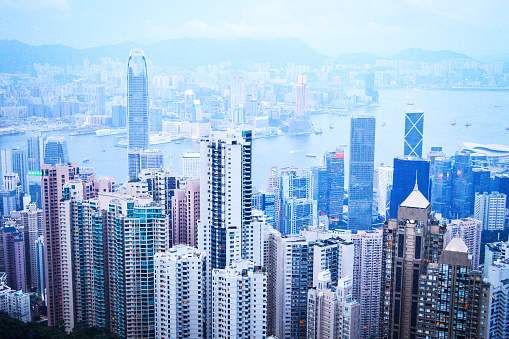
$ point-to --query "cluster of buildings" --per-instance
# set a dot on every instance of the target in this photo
(203, 254)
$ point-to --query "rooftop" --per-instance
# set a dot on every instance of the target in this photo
(457, 245)
(416, 199)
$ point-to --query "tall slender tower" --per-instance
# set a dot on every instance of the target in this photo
(225, 202)
(301, 96)
(362, 160)
(414, 130)
(53, 180)
(410, 244)
(137, 101)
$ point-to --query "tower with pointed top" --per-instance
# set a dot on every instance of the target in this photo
(410, 243)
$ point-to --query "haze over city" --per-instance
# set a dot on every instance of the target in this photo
(264, 169)
(476, 28)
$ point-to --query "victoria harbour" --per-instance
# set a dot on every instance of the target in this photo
(487, 126)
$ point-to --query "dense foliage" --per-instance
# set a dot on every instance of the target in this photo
(11, 328)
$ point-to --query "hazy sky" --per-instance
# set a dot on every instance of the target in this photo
(478, 28)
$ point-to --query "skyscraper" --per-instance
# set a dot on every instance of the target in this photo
(13, 246)
(137, 101)
(453, 299)
(239, 294)
(410, 243)
(237, 96)
(362, 156)
(298, 209)
(185, 213)
(191, 165)
(53, 180)
(143, 159)
(497, 275)
(137, 106)
(35, 148)
(225, 200)
(408, 171)
(490, 210)
(332, 312)
(384, 176)
(441, 188)
(335, 164)
(462, 186)
(225, 195)
(118, 115)
(301, 96)
(55, 151)
(180, 292)
(414, 129)
(367, 275)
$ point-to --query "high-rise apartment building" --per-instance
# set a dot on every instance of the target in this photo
(293, 278)
(410, 243)
(14, 303)
(161, 185)
(332, 312)
(469, 230)
(362, 156)
(414, 131)
(301, 96)
(367, 276)
(137, 101)
(180, 293)
(225, 201)
(225, 195)
(239, 301)
(53, 180)
(497, 315)
(13, 246)
(136, 230)
(501, 184)
(82, 245)
(33, 224)
(55, 151)
(100, 100)
(407, 172)
(185, 213)
(490, 209)
(453, 299)
(15, 161)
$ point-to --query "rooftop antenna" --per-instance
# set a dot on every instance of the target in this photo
(416, 187)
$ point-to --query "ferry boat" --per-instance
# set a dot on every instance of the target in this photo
(309, 155)
(85, 160)
(454, 122)
(497, 105)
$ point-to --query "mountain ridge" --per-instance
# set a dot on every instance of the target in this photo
(189, 53)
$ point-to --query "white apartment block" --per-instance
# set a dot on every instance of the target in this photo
(490, 209)
(367, 276)
(331, 311)
(15, 303)
(498, 313)
(180, 292)
(469, 230)
(239, 301)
